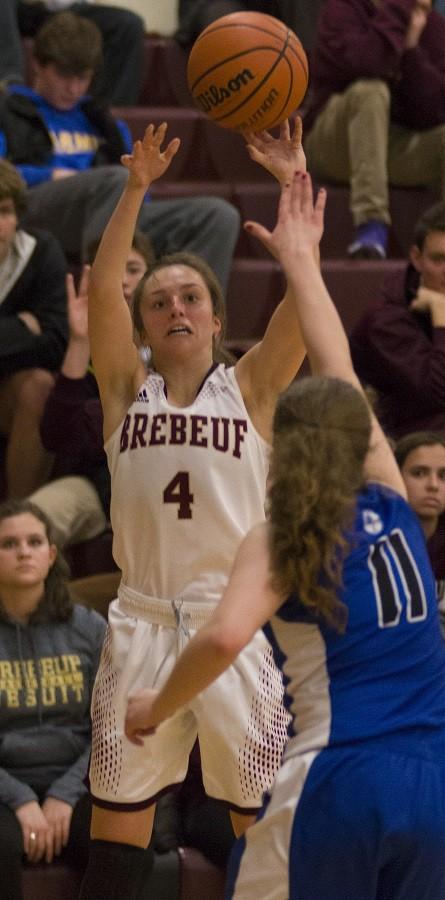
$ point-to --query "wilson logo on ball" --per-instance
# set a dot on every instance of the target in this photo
(247, 71)
(215, 95)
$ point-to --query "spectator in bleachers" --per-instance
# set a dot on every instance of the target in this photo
(119, 81)
(376, 115)
(194, 15)
(49, 653)
(398, 346)
(33, 334)
(421, 458)
(77, 499)
(68, 150)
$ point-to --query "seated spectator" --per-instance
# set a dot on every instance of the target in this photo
(141, 256)
(119, 81)
(194, 15)
(376, 114)
(77, 499)
(49, 652)
(398, 346)
(421, 459)
(68, 150)
(33, 332)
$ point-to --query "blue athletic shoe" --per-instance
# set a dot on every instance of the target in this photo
(370, 242)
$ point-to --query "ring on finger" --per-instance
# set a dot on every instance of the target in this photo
(32, 835)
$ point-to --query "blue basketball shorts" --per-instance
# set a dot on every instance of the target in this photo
(364, 823)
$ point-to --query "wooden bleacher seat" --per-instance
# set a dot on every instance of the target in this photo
(406, 205)
(256, 286)
(182, 875)
(164, 77)
(183, 123)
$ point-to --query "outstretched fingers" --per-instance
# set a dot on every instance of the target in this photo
(84, 280)
(320, 206)
(297, 135)
(303, 194)
(70, 287)
(127, 159)
(290, 193)
(137, 153)
(285, 130)
(258, 138)
(171, 149)
(154, 137)
(260, 232)
(302, 197)
(263, 234)
(299, 218)
(148, 160)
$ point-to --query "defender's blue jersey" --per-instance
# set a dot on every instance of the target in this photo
(385, 676)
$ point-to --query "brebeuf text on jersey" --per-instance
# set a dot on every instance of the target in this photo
(223, 434)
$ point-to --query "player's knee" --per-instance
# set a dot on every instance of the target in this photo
(369, 91)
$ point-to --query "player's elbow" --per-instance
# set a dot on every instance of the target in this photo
(226, 642)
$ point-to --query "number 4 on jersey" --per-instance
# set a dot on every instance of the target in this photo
(178, 491)
(387, 557)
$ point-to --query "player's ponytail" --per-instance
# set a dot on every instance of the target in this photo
(321, 437)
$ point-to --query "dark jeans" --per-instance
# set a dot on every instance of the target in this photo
(11, 55)
(11, 846)
(300, 15)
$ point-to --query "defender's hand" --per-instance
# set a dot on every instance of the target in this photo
(281, 156)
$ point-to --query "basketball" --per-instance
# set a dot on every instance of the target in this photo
(247, 71)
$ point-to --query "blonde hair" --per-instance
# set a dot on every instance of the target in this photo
(321, 430)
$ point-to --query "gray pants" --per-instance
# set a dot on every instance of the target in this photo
(120, 81)
(353, 140)
(300, 15)
(77, 208)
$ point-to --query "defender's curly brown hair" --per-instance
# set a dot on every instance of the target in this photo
(322, 429)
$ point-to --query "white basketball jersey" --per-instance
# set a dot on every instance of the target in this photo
(187, 484)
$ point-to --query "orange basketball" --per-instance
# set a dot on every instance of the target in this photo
(247, 71)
